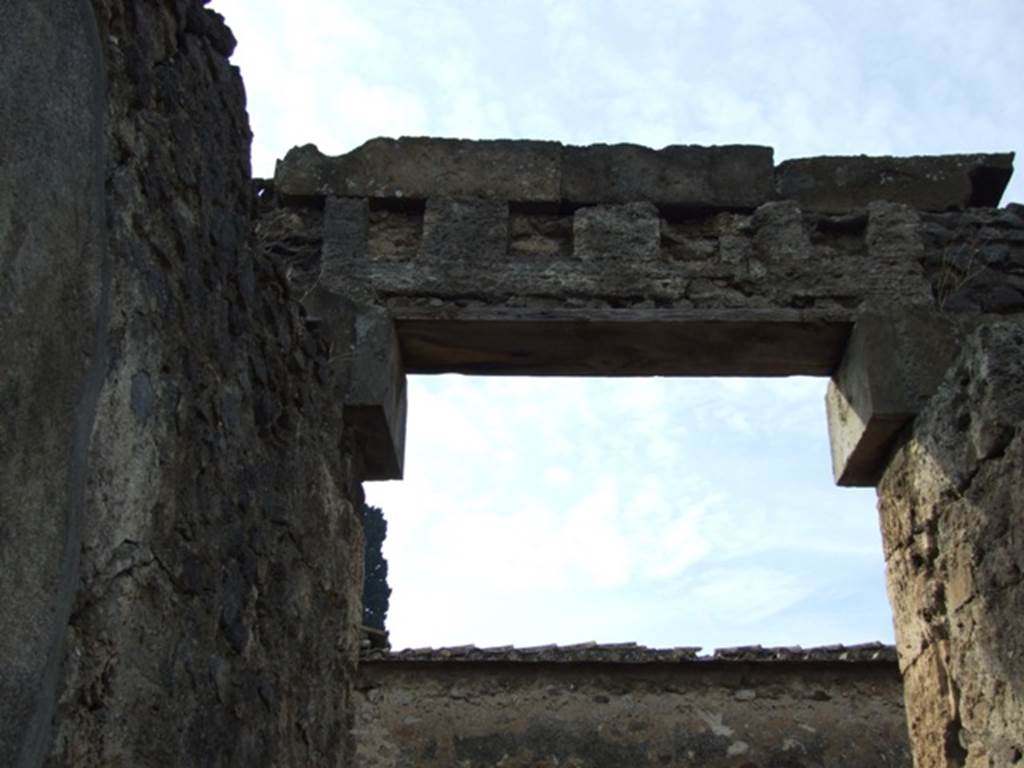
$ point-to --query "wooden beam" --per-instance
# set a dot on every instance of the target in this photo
(620, 342)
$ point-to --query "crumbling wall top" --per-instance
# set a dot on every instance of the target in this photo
(677, 177)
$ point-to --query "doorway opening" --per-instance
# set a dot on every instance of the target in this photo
(665, 511)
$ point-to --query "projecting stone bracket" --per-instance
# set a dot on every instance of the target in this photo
(375, 401)
(370, 379)
(892, 365)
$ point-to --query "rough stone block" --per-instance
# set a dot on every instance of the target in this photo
(473, 231)
(375, 396)
(891, 367)
(623, 233)
(932, 183)
(346, 222)
(681, 177)
(420, 168)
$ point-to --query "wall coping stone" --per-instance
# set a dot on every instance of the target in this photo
(674, 178)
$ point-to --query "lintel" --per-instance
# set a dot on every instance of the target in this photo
(621, 343)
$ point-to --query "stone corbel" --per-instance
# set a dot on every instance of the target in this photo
(369, 379)
(375, 398)
(892, 365)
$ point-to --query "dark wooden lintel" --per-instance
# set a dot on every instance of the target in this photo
(620, 342)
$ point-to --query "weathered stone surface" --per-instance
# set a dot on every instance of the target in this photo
(621, 257)
(419, 168)
(757, 288)
(474, 232)
(687, 713)
(185, 448)
(931, 183)
(676, 177)
(891, 367)
(950, 504)
(893, 271)
(52, 294)
(346, 222)
(974, 261)
(615, 233)
(375, 399)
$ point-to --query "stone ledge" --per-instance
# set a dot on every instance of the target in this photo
(892, 365)
(929, 182)
(538, 172)
(676, 178)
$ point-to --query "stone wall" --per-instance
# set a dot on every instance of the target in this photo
(53, 287)
(183, 440)
(181, 563)
(950, 504)
(600, 707)
(610, 260)
(532, 257)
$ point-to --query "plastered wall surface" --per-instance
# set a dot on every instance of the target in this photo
(568, 711)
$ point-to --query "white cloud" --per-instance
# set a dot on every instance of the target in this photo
(488, 513)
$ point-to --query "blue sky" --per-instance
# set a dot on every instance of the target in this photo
(665, 511)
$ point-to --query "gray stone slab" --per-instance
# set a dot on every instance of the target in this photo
(623, 233)
(892, 365)
(420, 168)
(683, 177)
(932, 183)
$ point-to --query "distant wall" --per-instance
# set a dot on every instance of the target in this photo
(749, 714)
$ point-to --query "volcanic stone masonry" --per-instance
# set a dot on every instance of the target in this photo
(180, 562)
(895, 276)
(199, 371)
